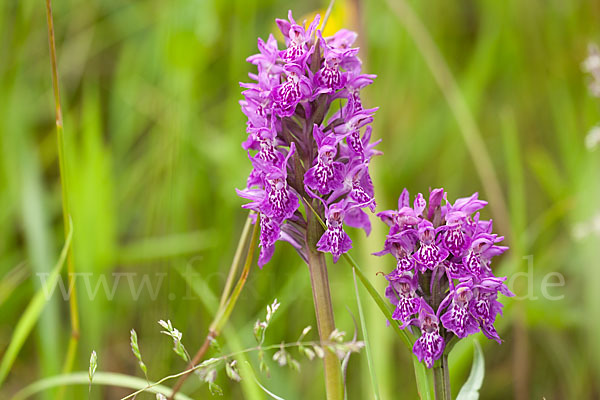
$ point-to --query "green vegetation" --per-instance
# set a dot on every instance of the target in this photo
(152, 133)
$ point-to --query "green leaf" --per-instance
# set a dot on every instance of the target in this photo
(422, 379)
(470, 390)
(32, 313)
(101, 378)
(370, 363)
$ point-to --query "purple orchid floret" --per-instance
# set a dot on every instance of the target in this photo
(326, 174)
(430, 345)
(443, 258)
(458, 318)
(335, 240)
(298, 39)
(296, 153)
(402, 293)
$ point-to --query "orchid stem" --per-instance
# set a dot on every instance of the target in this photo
(323, 308)
(441, 380)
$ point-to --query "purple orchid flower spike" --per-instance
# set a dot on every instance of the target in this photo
(295, 153)
(448, 250)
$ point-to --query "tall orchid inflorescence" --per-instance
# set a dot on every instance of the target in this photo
(442, 284)
(308, 138)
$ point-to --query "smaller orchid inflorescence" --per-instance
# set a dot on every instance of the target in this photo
(305, 118)
(442, 284)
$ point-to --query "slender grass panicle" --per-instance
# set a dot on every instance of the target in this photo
(92, 368)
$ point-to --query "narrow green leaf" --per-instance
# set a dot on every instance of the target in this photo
(367, 341)
(101, 378)
(267, 391)
(379, 301)
(470, 390)
(422, 380)
(32, 313)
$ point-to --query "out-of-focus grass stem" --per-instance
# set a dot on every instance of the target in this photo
(227, 302)
(236, 261)
(468, 127)
(72, 350)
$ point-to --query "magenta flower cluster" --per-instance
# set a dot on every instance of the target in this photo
(442, 284)
(308, 137)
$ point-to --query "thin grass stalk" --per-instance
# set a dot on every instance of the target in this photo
(226, 307)
(323, 308)
(74, 312)
(468, 127)
(236, 261)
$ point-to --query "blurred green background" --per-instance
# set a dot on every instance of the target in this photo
(153, 130)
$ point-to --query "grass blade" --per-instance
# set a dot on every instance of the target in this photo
(100, 378)
(32, 313)
(379, 301)
(367, 341)
(422, 379)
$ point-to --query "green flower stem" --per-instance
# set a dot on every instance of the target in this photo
(441, 379)
(323, 308)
